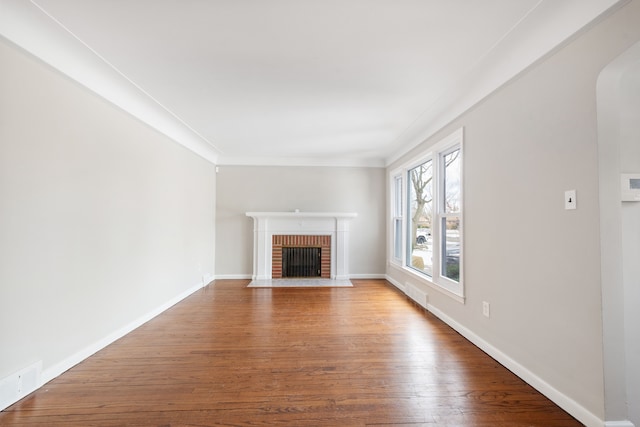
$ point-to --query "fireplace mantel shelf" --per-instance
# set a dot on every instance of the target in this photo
(302, 214)
(268, 224)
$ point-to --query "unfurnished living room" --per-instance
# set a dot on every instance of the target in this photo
(320, 213)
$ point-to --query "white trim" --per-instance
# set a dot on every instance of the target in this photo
(233, 277)
(298, 214)
(540, 32)
(30, 27)
(453, 141)
(54, 371)
(19, 384)
(351, 276)
(619, 331)
(446, 282)
(394, 282)
(423, 279)
(571, 406)
(61, 367)
(301, 161)
(397, 208)
(367, 276)
(565, 402)
(268, 224)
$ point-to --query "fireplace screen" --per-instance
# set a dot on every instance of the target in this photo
(301, 262)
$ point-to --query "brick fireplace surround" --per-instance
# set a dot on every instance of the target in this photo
(280, 241)
(274, 230)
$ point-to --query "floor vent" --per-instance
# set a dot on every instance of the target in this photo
(416, 294)
(18, 385)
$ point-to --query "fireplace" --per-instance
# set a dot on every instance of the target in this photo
(300, 256)
(328, 231)
(301, 262)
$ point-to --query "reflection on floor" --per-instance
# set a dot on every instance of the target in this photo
(300, 283)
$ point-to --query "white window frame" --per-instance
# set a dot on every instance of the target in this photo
(441, 213)
(435, 153)
(397, 218)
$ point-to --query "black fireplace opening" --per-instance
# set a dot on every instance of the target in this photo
(301, 262)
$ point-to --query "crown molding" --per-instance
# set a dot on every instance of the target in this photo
(546, 28)
(27, 26)
(301, 161)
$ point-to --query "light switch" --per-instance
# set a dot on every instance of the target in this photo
(570, 201)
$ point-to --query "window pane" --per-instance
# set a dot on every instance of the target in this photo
(397, 235)
(452, 182)
(451, 248)
(397, 221)
(397, 204)
(421, 210)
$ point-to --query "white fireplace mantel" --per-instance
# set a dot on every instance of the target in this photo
(268, 224)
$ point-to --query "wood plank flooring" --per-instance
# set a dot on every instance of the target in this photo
(235, 356)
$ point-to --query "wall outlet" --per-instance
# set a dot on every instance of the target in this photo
(485, 309)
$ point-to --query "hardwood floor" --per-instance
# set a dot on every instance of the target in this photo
(235, 356)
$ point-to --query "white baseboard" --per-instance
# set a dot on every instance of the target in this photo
(396, 283)
(560, 399)
(233, 277)
(10, 397)
(249, 276)
(565, 402)
(207, 279)
(568, 404)
(59, 368)
(19, 384)
(367, 276)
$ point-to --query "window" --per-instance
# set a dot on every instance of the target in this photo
(420, 243)
(430, 190)
(450, 214)
(397, 218)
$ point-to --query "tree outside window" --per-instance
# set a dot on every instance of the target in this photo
(421, 208)
(421, 204)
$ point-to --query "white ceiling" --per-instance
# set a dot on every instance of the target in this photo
(294, 81)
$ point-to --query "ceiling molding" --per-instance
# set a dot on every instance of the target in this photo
(30, 28)
(300, 161)
(543, 30)
(247, 96)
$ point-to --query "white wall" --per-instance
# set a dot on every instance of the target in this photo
(537, 264)
(618, 94)
(102, 219)
(320, 189)
(630, 163)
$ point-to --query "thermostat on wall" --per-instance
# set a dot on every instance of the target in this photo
(630, 187)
